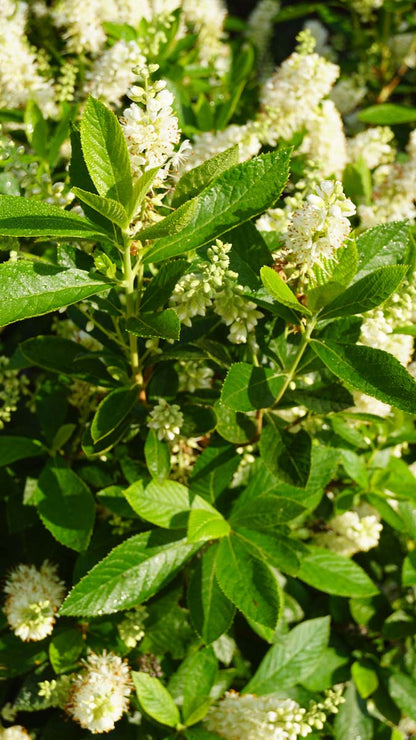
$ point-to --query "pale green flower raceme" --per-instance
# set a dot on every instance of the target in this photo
(166, 419)
(351, 533)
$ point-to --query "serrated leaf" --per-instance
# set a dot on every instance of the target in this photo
(61, 355)
(214, 469)
(17, 448)
(130, 574)
(65, 505)
(277, 550)
(111, 209)
(386, 244)
(112, 411)
(140, 188)
(234, 197)
(165, 324)
(25, 217)
(265, 512)
(371, 371)
(292, 658)
(335, 574)
(280, 291)
(387, 114)
(353, 720)
(206, 524)
(161, 286)
(155, 699)
(367, 293)
(65, 649)
(105, 152)
(211, 612)
(31, 289)
(172, 224)
(288, 456)
(248, 254)
(157, 455)
(248, 387)
(234, 426)
(165, 503)
(201, 671)
(197, 179)
(248, 582)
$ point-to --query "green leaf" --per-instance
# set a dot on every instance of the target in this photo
(201, 671)
(280, 291)
(248, 254)
(165, 324)
(113, 409)
(18, 657)
(172, 224)
(111, 209)
(248, 582)
(130, 574)
(165, 503)
(402, 689)
(214, 469)
(25, 217)
(234, 426)
(64, 356)
(157, 455)
(211, 612)
(409, 570)
(275, 549)
(65, 505)
(387, 114)
(365, 678)
(292, 658)
(247, 387)
(161, 286)
(17, 448)
(140, 188)
(370, 371)
(386, 244)
(65, 649)
(105, 152)
(36, 129)
(286, 455)
(353, 720)
(197, 179)
(236, 196)
(372, 290)
(265, 512)
(31, 289)
(206, 524)
(335, 574)
(155, 700)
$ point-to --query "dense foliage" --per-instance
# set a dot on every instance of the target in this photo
(207, 447)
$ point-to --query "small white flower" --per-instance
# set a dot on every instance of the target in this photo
(17, 732)
(100, 693)
(351, 533)
(131, 629)
(33, 596)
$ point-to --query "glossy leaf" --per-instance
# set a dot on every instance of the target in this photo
(157, 455)
(65, 505)
(367, 293)
(31, 289)
(248, 582)
(165, 503)
(165, 324)
(172, 224)
(265, 512)
(155, 699)
(277, 550)
(353, 720)
(387, 114)
(288, 456)
(130, 574)
(280, 291)
(234, 197)
(386, 244)
(402, 689)
(193, 182)
(112, 411)
(25, 217)
(111, 209)
(211, 611)
(292, 658)
(206, 524)
(105, 152)
(370, 371)
(335, 574)
(17, 448)
(248, 387)
(161, 286)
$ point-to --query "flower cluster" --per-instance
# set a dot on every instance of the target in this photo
(250, 717)
(373, 146)
(33, 596)
(351, 533)
(17, 732)
(320, 227)
(193, 376)
(100, 693)
(12, 385)
(166, 419)
(131, 629)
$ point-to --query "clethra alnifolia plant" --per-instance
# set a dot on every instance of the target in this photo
(208, 390)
